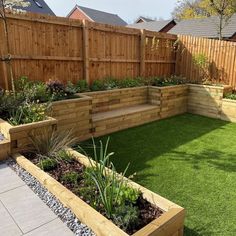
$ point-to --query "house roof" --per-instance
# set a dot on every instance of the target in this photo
(100, 16)
(153, 25)
(38, 6)
(144, 19)
(206, 27)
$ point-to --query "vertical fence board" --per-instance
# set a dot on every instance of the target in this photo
(220, 54)
(44, 47)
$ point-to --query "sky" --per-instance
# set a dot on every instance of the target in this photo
(129, 10)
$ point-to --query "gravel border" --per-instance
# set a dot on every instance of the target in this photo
(64, 213)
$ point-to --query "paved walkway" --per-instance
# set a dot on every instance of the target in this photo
(22, 212)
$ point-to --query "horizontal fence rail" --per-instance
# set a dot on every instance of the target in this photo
(45, 47)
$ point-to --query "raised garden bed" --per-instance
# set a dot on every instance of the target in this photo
(169, 222)
(75, 115)
(19, 135)
(228, 112)
(206, 100)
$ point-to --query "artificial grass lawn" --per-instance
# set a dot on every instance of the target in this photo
(188, 159)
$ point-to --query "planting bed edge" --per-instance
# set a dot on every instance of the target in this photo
(170, 223)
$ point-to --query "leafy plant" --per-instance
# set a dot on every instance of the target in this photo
(32, 91)
(167, 81)
(201, 62)
(108, 183)
(70, 178)
(98, 85)
(9, 103)
(82, 86)
(128, 195)
(231, 96)
(129, 83)
(28, 113)
(126, 217)
(47, 164)
(71, 88)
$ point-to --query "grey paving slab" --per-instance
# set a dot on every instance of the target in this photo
(26, 208)
(7, 226)
(53, 228)
(8, 179)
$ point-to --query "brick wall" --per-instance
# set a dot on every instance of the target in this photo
(79, 15)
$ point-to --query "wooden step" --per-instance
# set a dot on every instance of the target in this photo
(124, 118)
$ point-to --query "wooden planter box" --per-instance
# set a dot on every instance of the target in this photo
(75, 115)
(171, 223)
(19, 136)
(171, 99)
(228, 111)
(206, 100)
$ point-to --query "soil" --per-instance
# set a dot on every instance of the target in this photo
(148, 212)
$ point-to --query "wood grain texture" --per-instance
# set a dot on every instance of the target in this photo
(46, 47)
(220, 54)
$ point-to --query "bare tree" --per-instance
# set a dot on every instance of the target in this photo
(14, 6)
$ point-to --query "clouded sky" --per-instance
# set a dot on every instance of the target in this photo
(129, 10)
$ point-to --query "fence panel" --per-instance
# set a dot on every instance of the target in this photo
(221, 56)
(45, 47)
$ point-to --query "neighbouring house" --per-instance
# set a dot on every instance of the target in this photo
(142, 19)
(38, 6)
(206, 27)
(84, 13)
(159, 26)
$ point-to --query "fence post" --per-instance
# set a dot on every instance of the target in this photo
(5, 76)
(142, 52)
(86, 51)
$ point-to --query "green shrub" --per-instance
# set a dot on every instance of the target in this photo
(231, 96)
(47, 164)
(32, 91)
(82, 86)
(9, 103)
(28, 113)
(111, 83)
(70, 178)
(130, 83)
(167, 81)
(98, 85)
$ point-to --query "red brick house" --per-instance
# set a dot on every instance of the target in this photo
(84, 13)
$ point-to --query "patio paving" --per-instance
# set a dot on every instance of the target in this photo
(22, 212)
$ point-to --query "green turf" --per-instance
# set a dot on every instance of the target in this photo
(190, 160)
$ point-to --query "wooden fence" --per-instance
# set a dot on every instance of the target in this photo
(221, 56)
(44, 48)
